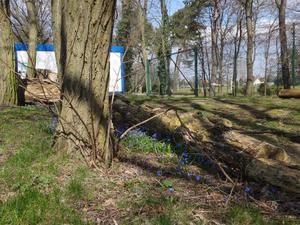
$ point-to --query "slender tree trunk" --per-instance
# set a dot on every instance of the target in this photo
(237, 46)
(221, 65)
(250, 46)
(165, 45)
(142, 20)
(267, 49)
(281, 4)
(33, 37)
(56, 26)
(86, 34)
(8, 83)
(214, 60)
(204, 81)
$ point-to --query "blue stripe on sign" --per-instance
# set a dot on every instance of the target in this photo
(116, 48)
(40, 47)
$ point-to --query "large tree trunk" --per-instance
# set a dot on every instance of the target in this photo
(33, 37)
(283, 44)
(241, 154)
(250, 46)
(86, 38)
(214, 38)
(8, 83)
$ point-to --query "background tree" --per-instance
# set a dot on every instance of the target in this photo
(123, 38)
(248, 6)
(32, 36)
(164, 51)
(84, 119)
(20, 20)
(8, 83)
(237, 46)
(214, 43)
(284, 56)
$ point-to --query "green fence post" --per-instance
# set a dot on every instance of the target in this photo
(294, 56)
(148, 78)
(196, 73)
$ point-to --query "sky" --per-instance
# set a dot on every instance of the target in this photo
(174, 5)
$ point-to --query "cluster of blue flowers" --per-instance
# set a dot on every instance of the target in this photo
(248, 190)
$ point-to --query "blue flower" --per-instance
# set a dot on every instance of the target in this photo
(198, 178)
(178, 146)
(171, 190)
(179, 169)
(159, 173)
(273, 189)
(185, 154)
(189, 174)
(248, 189)
(182, 162)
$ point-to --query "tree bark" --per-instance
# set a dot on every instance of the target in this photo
(86, 34)
(56, 8)
(33, 37)
(142, 21)
(165, 46)
(267, 49)
(284, 56)
(237, 46)
(8, 82)
(250, 46)
(214, 38)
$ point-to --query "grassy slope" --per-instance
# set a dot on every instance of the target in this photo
(39, 186)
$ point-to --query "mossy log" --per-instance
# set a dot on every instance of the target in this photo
(289, 93)
(239, 152)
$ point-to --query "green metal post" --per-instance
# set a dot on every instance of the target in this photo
(148, 78)
(196, 73)
(294, 56)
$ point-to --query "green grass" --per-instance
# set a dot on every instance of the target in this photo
(41, 186)
(239, 215)
(32, 207)
(29, 173)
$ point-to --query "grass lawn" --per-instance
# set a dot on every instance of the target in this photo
(144, 186)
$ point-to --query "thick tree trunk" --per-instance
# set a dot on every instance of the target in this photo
(214, 38)
(241, 154)
(84, 119)
(8, 82)
(33, 37)
(283, 44)
(250, 46)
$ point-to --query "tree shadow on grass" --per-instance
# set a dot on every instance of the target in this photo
(232, 157)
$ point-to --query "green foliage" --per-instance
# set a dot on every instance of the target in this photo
(271, 90)
(146, 144)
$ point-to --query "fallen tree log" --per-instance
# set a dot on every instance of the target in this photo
(289, 93)
(215, 136)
